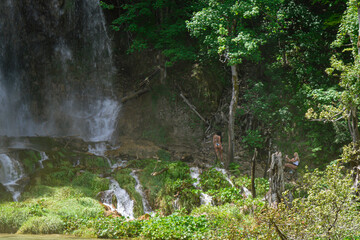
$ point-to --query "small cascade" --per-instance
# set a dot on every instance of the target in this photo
(138, 188)
(176, 204)
(99, 149)
(205, 199)
(223, 171)
(43, 158)
(124, 204)
(11, 173)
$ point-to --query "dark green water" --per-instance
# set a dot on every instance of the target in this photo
(38, 237)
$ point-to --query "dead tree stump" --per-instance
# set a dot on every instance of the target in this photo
(276, 180)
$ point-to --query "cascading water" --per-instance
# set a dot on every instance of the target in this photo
(11, 173)
(43, 158)
(205, 199)
(56, 70)
(138, 188)
(124, 204)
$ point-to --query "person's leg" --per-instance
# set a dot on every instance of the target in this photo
(289, 165)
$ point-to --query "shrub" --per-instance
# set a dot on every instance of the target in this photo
(225, 195)
(175, 227)
(84, 207)
(261, 184)
(327, 211)
(91, 181)
(12, 216)
(43, 225)
(213, 179)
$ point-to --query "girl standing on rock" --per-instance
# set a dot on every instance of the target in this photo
(217, 146)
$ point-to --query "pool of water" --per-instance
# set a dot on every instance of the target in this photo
(38, 237)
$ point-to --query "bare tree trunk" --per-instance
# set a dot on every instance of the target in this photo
(276, 180)
(233, 106)
(253, 190)
(353, 124)
(268, 160)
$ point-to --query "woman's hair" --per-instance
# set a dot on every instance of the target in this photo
(218, 133)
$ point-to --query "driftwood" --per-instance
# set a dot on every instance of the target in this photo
(192, 107)
(159, 172)
(276, 180)
(135, 94)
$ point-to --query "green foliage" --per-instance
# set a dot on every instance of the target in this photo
(49, 224)
(175, 227)
(91, 181)
(327, 211)
(156, 25)
(213, 179)
(231, 29)
(12, 217)
(229, 221)
(351, 154)
(82, 207)
(164, 155)
(261, 184)
(253, 139)
(225, 195)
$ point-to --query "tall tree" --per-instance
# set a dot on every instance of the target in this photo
(345, 64)
(157, 25)
(233, 30)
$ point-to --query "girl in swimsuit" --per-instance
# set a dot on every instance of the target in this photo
(294, 162)
(217, 145)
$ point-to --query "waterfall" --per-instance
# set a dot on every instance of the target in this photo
(138, 188)
(205, 199)
(43, 158)
(124, 204)
(56, 70)
(11, 173)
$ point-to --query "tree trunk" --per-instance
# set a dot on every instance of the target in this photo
(353, 124)
(276, 180)
(253, 165)
(232, 110)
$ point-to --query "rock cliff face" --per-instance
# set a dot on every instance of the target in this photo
(55, 69)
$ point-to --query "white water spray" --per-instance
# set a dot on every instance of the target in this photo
(125, 206)
(10, 173)
(43, 158)
(205, 199)
(138, 188)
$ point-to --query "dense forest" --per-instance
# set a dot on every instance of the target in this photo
(272, 78)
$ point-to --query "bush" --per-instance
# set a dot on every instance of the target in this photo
(91, 181)
(12, 216)
(261, 184)
(225, 195)
(84, 207)
(213, 179)
(175, 227)
(328, 209)
(43, 225)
